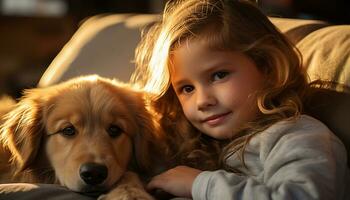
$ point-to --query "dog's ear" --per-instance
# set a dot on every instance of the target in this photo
(22, 129)
(148, 139)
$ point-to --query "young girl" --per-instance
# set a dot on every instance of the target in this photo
(224, 68)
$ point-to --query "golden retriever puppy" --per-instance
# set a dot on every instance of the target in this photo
(84, 134)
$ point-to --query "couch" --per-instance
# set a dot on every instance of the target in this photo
(105, 44)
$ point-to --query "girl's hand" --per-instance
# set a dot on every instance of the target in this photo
(177, 181)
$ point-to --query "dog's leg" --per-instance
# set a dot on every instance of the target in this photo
(128, 188)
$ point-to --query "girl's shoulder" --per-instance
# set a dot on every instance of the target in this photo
(304, 123)
(301, 130)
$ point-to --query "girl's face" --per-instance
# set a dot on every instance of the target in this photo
(216, 89)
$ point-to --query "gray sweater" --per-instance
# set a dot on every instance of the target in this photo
(299, 159)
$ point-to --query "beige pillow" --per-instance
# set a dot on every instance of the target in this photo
(326, 54)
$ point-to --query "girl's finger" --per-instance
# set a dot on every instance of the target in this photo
(154, 183)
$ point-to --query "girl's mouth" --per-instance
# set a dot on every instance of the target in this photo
(216, 120)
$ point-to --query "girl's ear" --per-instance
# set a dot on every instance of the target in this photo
(22, 130)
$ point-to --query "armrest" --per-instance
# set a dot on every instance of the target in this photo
(103, 45)
(25, 191)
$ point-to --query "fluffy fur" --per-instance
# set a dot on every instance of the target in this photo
(52, 132)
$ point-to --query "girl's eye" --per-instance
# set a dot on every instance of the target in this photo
(68, 131)
(187, 89)
(114, 131)
(219, 75)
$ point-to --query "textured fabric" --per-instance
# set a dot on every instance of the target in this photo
(326, 54)
(24, 191)
(288, 24)
(299, 159)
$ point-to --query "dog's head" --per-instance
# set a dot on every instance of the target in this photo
(87, 129)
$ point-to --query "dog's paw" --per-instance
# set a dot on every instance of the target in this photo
(126, 193)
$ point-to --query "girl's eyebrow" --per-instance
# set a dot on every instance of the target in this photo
(215, 66)
(179, 82)
(209, 69)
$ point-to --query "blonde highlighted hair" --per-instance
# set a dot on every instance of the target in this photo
(225, 25)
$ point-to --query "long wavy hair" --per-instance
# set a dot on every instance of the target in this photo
(225, 25)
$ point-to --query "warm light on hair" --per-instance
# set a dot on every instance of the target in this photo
(159, 78)
(224, 25)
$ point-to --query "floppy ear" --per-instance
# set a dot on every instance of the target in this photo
(22, 130)
(148, 139)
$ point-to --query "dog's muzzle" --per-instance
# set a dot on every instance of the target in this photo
(93, 173)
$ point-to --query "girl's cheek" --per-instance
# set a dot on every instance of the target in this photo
(182, 102)
(188, 110)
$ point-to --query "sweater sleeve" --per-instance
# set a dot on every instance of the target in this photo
(303, 162)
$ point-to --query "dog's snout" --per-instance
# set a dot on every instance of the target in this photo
(93, 173)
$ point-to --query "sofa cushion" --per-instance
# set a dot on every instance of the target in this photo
(103, 45)
(25, 191)
(326, 54)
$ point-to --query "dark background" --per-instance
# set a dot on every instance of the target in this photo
(31, 38)
(31, 35)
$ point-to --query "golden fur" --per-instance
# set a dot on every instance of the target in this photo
(36, 146)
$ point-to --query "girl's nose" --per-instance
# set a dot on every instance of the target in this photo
(205, 99)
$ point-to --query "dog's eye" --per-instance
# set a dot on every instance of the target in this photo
(114, 131)
(68, 131)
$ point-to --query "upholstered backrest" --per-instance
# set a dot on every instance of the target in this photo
(105, 45)
(326, 55)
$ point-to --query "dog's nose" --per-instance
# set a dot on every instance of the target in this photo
(93, 173)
